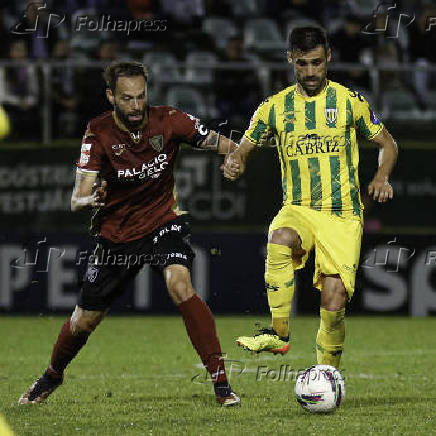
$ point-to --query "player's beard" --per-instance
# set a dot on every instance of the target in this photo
(312, 85)
(124, 117)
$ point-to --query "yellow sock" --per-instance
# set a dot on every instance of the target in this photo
(279, 279)
(330, 338)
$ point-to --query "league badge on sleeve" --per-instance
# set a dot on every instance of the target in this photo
(374, 118)
(85, 154)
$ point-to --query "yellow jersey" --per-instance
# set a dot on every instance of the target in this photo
(317, 145)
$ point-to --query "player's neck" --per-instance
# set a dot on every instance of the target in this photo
(134, 132)
(320, 90)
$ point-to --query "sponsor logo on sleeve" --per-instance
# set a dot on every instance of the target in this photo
(200, 128)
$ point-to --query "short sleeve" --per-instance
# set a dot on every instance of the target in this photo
(366, 121)
(91, 153)
(259, 129)
(187, 128)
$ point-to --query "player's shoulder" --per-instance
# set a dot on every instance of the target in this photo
(279, 96)
(99, 124)
(355, 96)
(164, 113)
(284, 92)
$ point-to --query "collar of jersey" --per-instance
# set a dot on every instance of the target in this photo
(313, 97)
(122, 127)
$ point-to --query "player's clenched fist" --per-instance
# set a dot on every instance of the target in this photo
(234, 166)
(380, 189)
(86, 193)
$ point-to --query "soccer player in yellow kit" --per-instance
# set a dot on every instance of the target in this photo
(315, 123)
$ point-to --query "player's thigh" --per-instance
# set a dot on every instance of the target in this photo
(178, 281)
(174, 255)
(337, 252)
(109, 271)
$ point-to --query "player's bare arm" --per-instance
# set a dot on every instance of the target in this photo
(219, 143)
(380, 189)
(85, 194)
(235, 163)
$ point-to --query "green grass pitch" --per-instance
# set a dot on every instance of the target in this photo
(135, 377)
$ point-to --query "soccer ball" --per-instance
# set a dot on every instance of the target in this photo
(320, 388)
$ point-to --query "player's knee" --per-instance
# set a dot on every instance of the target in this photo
(85, 321)
(180, 290)
(285, 236)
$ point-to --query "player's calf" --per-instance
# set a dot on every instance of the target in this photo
(72, 337)
(331, 333)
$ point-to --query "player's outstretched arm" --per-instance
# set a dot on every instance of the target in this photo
(216, 142)
(86, 193)
(380, 189)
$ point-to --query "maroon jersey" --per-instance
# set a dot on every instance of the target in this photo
(138, 168)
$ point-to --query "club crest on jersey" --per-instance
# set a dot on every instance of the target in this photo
(157, 142)
(331, 115)
(91, 273)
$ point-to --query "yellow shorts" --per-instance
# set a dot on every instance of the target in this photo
(336, 241)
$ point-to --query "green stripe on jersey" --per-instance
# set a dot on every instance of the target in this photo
(296, 182)
(289, 112)
(331, 111)
(362, 128)
(272, 118)
(354, 191)
(315, 183)
(284, 169)
(310, 115)
(335, 174)
(259, 130)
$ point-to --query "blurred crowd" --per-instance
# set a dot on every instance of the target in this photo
(199, 33)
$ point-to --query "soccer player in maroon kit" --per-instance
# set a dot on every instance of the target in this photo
(132, 152)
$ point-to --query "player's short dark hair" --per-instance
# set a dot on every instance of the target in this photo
(307, 38)
(123, 69)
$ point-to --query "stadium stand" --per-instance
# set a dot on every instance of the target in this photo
(196, 37)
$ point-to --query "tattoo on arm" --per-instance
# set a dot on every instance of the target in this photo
(211, 141)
